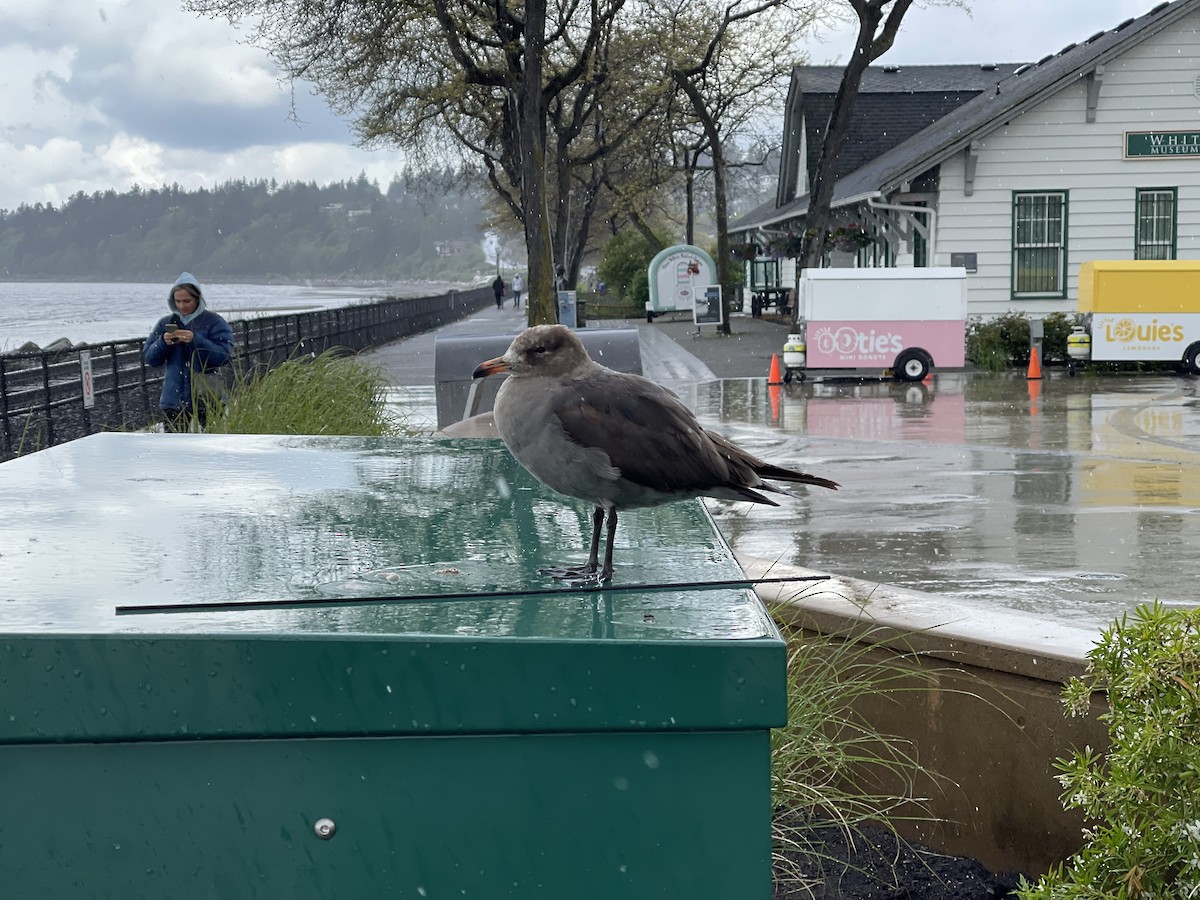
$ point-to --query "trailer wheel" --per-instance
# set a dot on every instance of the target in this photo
(911, 366)
(1191, 359)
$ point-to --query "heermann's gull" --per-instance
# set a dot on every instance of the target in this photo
(618, 441)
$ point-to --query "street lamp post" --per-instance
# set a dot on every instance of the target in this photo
(566, 228)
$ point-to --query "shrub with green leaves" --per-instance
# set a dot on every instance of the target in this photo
(1055, 329)
(623, 268)
(985, 348)
(1000, 343)
(1143, 795)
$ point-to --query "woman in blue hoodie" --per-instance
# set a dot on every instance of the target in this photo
(190, 340)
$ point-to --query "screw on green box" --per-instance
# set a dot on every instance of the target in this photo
(489, 738)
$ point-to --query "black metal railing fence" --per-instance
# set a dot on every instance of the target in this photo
(44, 394)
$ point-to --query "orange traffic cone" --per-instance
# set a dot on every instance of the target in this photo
(774, 377)
(1035, 365)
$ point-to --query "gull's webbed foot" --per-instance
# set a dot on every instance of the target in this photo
(577, 576)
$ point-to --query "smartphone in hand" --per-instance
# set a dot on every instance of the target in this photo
(171, 326)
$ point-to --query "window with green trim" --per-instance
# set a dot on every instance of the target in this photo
(1039, 244)
(1154, 227)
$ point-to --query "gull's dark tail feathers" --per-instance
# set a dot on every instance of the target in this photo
(778, 473)
(739, 458)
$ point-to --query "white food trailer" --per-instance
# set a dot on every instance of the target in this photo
(903, 321)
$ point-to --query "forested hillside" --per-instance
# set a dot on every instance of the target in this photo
(249, 230)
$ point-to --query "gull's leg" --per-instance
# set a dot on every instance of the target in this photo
(593, 561)
(611, 532)
(586, 574)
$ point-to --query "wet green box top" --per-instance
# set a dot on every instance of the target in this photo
(331, 526)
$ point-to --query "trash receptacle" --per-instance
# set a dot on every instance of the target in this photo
(455, 358)
(336, 671)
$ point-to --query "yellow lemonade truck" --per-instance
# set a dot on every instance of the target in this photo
(1139, 311)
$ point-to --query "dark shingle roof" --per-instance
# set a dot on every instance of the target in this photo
(1026, 87)
(1006, 96)
(888, 79)
(893, 103)
(880, 122)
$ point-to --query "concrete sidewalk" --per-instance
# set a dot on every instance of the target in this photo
(408, 362)
(672, 351)
(745, 353)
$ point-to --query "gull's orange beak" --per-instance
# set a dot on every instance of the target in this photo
(491, 367)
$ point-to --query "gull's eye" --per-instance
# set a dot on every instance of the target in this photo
(539, 349)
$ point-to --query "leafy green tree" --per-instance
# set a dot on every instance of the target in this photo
(727, 59)
(431, 74)
(624, 268)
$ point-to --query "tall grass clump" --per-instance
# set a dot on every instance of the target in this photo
(829, 766)
(330, 394)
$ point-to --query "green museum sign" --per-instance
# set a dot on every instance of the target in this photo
(1139, 144)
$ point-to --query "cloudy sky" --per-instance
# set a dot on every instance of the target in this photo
(98, 94)
(993, 31)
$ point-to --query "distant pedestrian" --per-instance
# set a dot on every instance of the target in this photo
(498, 290)
(190, 342)
(518, 285)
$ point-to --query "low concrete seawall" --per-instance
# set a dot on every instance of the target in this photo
(42, 392)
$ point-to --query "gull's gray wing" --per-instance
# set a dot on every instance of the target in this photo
(649, 435)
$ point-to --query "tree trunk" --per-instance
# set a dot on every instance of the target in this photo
(689, 176)
(542, 302)
(867, 48)
(724, 275)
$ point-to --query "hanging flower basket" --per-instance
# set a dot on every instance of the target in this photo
(788, 245)
(850, 238)
(744, 252)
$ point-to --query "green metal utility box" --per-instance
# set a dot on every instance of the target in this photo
(380, 696)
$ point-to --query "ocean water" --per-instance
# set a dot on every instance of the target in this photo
(43, 312)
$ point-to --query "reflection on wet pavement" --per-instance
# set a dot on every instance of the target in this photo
(1077, 496)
